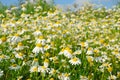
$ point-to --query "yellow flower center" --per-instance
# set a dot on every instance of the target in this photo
(2, 56)
(47, 54)
(89, 49)
(101, 41)
(82, 44)
(54, 71)
(105, 64)
(43, 67)
(66, 75)
(3, 39)
(20, 54)
(14, 65)
(51, 78)
(20, 44)
(46, 46)
(74, 59)
(68, 49)
(95, 51)
(109, 69)
(16, 34)
(41, 37)
(46, 60)
(62, 50)
(35, 59)
(38, 45)
(35, 69)
(89, 59)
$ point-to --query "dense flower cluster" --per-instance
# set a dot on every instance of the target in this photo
(61, 46)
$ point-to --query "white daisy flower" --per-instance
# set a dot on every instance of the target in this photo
(23, 9)
(75, 61)
(37, 33)
(38, 49)
(77, 52)
(46, 62)
(46, 47)
(90, 58)
(53, 71)
(89, 51)
(84, 44)
(2, 57)
(19, 55)
(33, 69)
(35, 62)
(19, 46)
(112, 77)
(67, 52)
(41, 40)
(15, 39)
(64, 76)
(43, 69)
(14, 67)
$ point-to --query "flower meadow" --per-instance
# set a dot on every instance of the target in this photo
(56, 45)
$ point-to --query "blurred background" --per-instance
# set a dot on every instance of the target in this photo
(64, 3)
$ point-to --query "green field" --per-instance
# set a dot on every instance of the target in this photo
(44, 43)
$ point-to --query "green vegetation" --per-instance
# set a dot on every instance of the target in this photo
(40, 42)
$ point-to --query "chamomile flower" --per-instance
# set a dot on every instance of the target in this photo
(19, 46)
(33, 69)
(35, 62)
(77, 52)
(3, 57)
(3, 39)
(46, 47)
(67, 52)
(84, 44)
(41, 40)
(116, 52)
(47, 54)
(89, 51)
(20, 55)
(16, 38)
(75, 61)
(64, 76)
(37, 33)
(89, 58)
(14, 67)
(24, 9)
(46, 62)
(54, 59)
(43, 69)
(38, 49)
(112, 77)
(53, 71)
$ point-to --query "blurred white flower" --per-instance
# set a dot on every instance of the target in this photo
(38, 49)
(1, 73)
(14, 67)
(75, 61)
